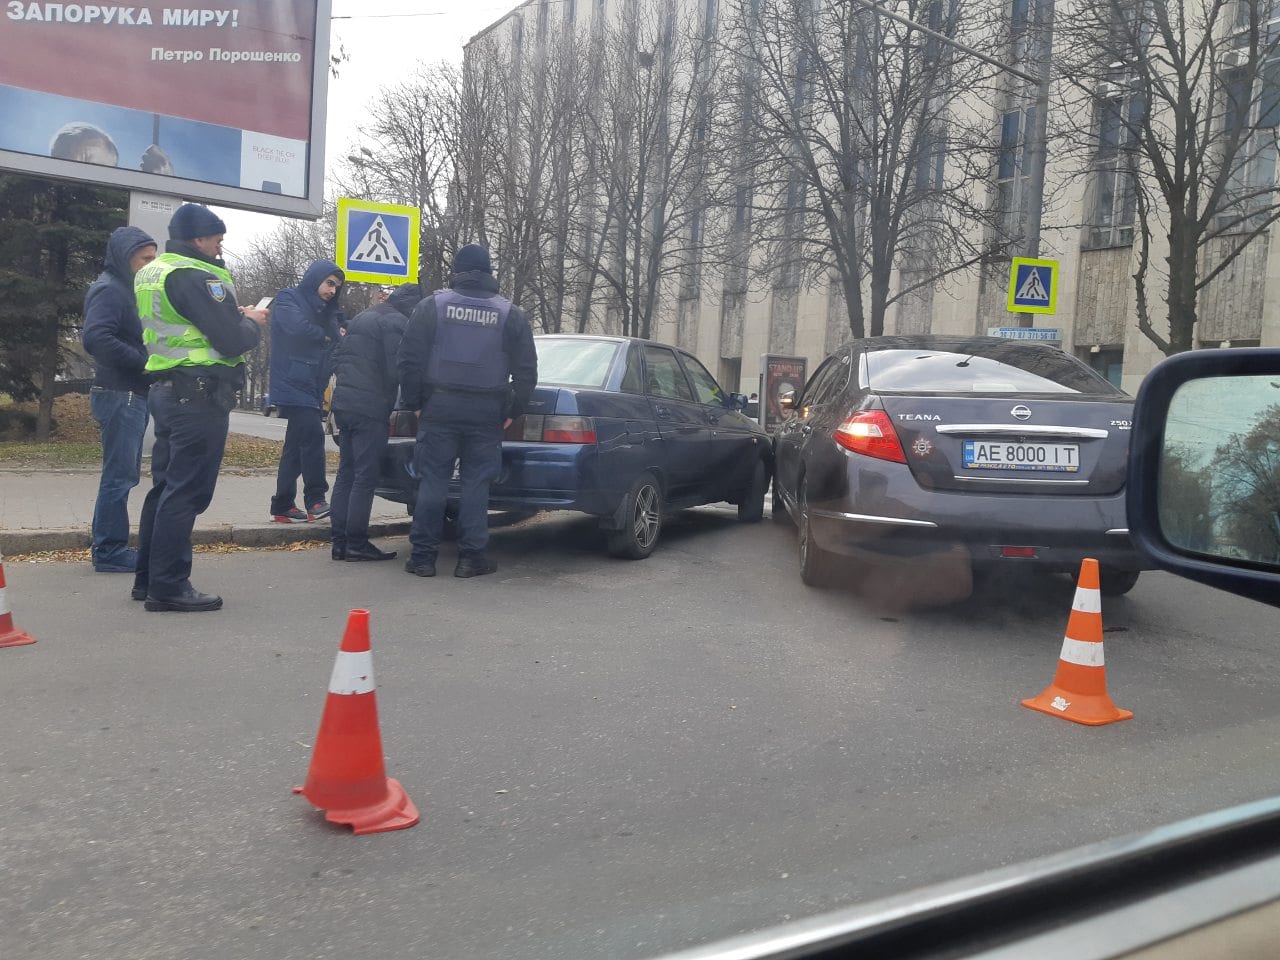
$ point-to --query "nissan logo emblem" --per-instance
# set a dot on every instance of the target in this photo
(1021, 412)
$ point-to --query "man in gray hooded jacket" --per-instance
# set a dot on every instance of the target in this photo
(118, 398)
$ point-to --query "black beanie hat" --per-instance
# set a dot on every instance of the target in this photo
(192, 220)
(470, 258)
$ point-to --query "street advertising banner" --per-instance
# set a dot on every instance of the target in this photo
(222, 103)
(778, 373)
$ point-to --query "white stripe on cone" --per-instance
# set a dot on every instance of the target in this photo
(1083, 653)
(4, 604)
(1088, 600)
(352, 673)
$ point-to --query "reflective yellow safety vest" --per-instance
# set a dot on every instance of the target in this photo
(171, 339)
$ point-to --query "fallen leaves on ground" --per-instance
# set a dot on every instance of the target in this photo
(82, 555)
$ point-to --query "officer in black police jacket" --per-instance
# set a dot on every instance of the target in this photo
(466, 362)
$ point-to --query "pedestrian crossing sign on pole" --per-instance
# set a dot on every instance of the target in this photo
(377, 242)
(1033, 285)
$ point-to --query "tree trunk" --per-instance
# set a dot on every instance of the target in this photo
(48, 383)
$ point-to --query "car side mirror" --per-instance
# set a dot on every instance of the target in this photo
(787, 400)
(737, 401)
(1203, 497)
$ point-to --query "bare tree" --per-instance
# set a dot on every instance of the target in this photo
(861, 157)
(406, 155)
(1246, 472)
(655, 170)
(1185, 98)
(520, 141)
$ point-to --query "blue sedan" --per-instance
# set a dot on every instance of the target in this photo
(622, 429)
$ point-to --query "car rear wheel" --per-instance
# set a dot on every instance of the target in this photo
(751, 509)
(1114, 582)
(815, 563)
(642, 520)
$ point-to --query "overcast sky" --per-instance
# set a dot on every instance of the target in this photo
(383, 42)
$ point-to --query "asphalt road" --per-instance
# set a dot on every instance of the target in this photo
(612, 759)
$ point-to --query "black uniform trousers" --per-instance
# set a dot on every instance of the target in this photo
(191, 435)
(478, 450)
(361, 442)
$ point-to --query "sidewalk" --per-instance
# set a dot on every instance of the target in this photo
(53, 510)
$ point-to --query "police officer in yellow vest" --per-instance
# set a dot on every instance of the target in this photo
(196, 336)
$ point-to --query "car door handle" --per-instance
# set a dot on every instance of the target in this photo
(662, 412)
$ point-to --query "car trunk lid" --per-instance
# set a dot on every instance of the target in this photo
(1064, 444)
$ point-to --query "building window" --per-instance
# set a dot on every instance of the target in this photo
(1108, 361)
(1251, 114)
(1114, 201)
(930, 161)
(1012, 164)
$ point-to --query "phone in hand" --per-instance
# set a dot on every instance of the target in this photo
(264, 303)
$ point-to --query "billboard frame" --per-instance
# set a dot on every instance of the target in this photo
(310, 207)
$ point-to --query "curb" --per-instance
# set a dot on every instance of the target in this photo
(17, 542)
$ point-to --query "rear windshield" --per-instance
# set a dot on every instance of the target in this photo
(1011, 368)
(574, 363)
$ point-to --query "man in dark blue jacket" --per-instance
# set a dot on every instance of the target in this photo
(467, 363)
(363, 398)
(304, 331)
(118, 398)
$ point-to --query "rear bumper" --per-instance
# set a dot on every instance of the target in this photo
(562, 476)
(1062, 532)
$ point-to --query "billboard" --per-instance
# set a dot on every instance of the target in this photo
(778, 373)
(220, 103)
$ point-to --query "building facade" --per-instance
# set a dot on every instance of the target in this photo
(1091, 224)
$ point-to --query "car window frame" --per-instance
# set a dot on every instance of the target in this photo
(686, 360)
(814, 392)
(667, 351)
(632, 360)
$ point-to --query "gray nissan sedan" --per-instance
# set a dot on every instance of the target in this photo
(901, 447)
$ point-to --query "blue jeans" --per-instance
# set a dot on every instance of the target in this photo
(302, 453)
(361, 441)
(122, 415)
(478, 450)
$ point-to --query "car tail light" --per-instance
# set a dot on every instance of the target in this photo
(1018, 553)
(519, 426)
(541, 429)
(568, 430)
(403, 423)
(871, 434)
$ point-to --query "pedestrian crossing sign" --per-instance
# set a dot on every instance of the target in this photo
(1033, 285)
(377, 242)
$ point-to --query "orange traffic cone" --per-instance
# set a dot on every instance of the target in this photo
(1079, 688)
(347, 777)
(10, 635)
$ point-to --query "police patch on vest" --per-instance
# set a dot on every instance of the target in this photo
(476, 315)
(216, 289)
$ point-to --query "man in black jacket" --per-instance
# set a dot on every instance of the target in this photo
(467, 362)
(363, 398)
(118, 398)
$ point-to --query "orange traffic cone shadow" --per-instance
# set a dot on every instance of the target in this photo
(10, 635)
(1079, 688)
(347, 776)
